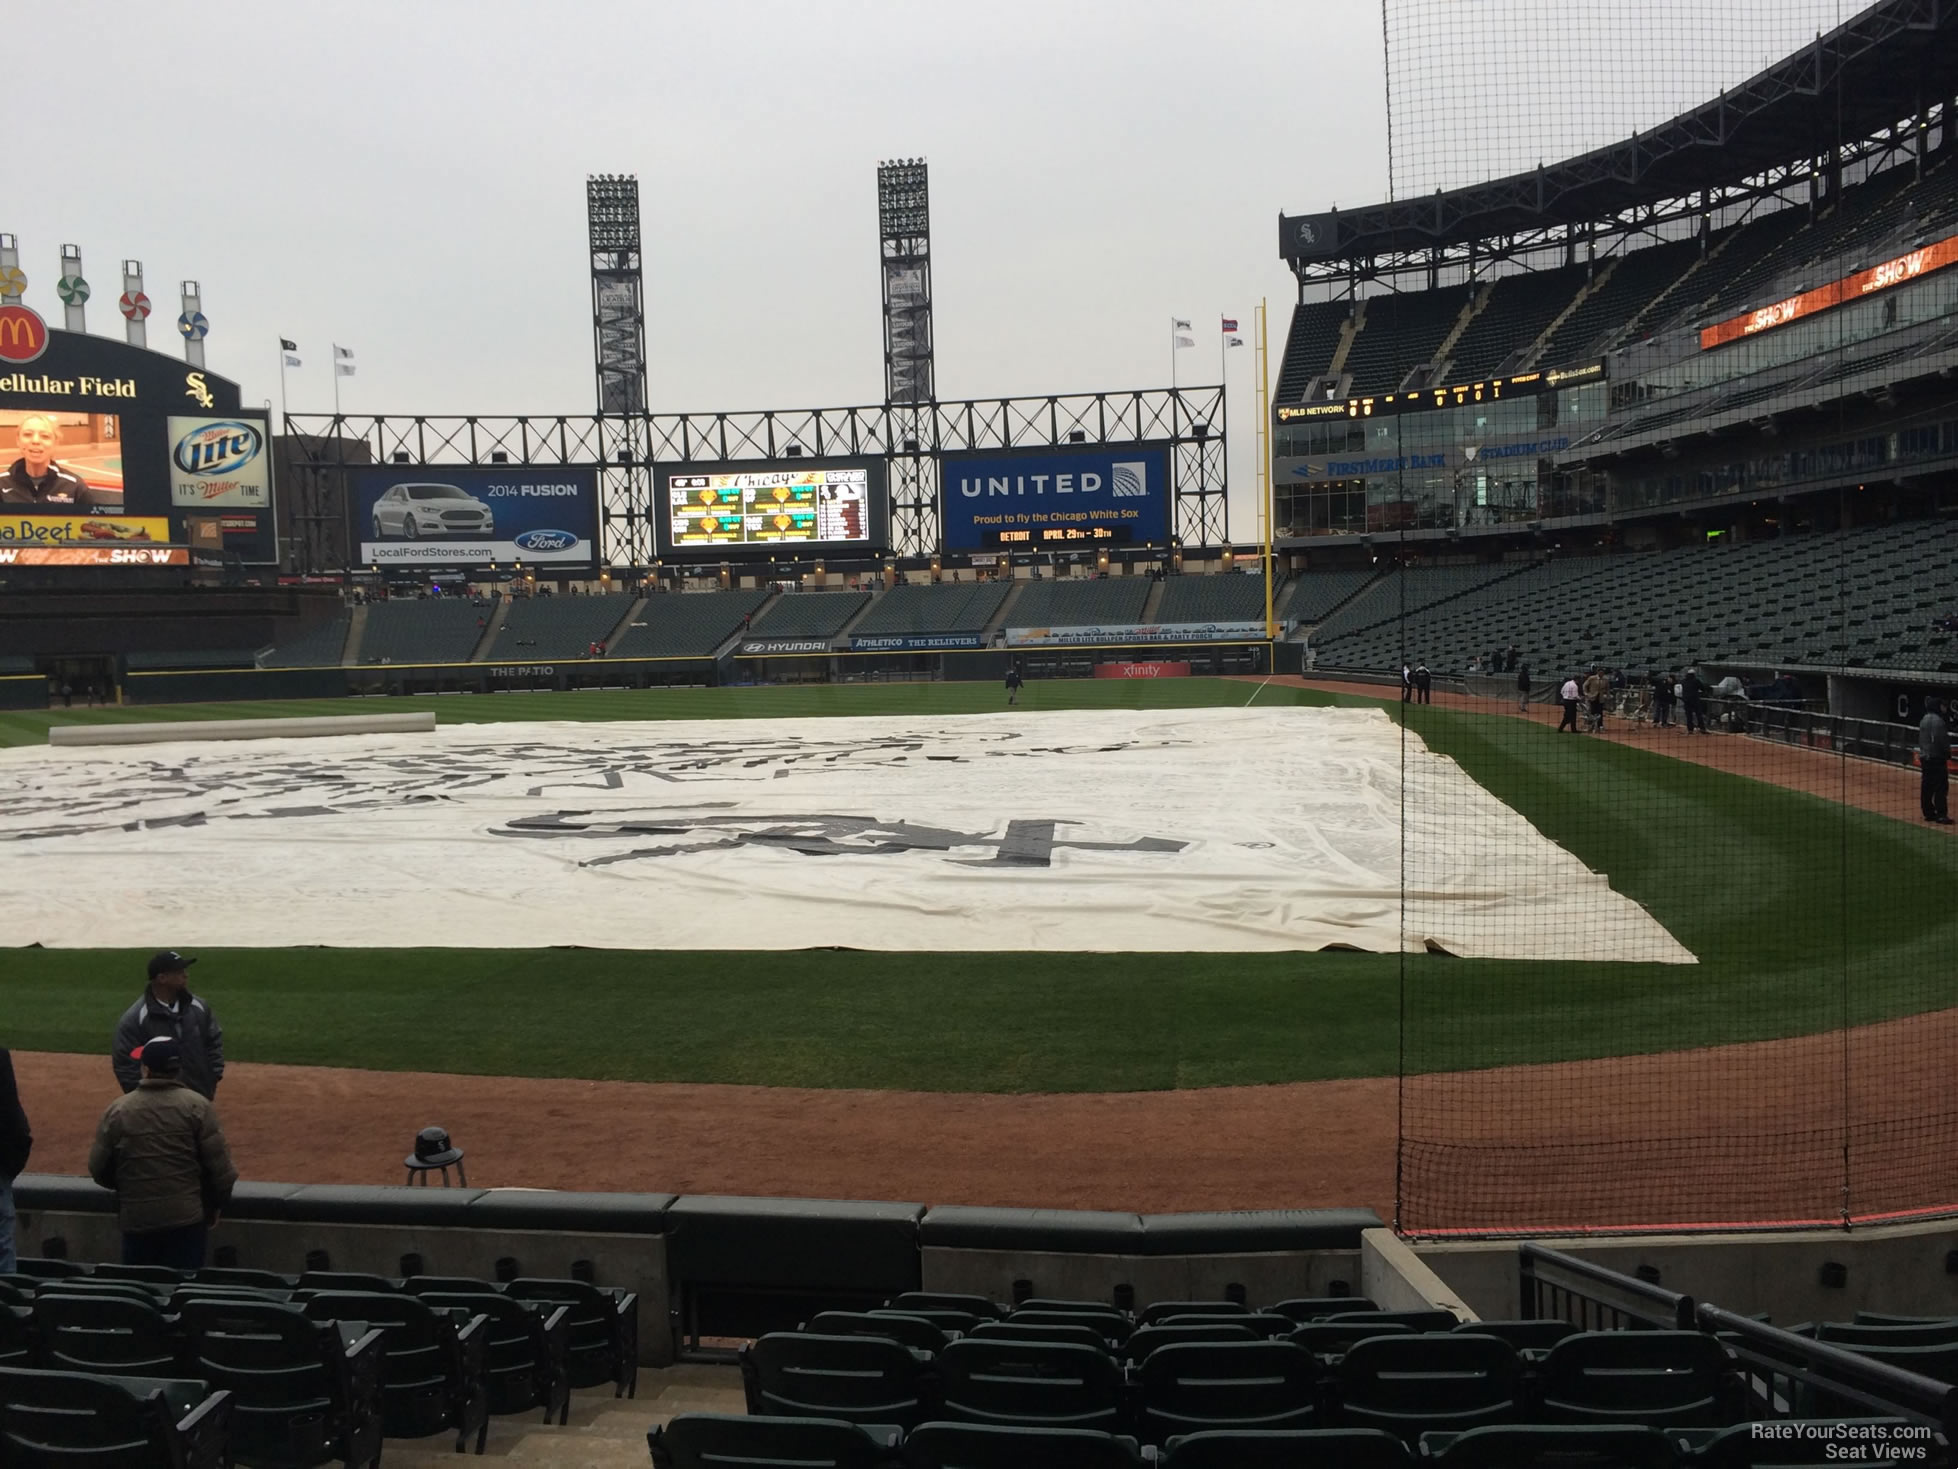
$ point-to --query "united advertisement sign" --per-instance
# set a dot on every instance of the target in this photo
(220, 462)
(1057, 499)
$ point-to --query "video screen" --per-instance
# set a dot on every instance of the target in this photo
(825, 504)
(60, 463)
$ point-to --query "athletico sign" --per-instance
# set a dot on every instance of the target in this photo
(1111, 494)
(1898, 272)
(918, 643)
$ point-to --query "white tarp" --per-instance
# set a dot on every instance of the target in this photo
(1212, 829)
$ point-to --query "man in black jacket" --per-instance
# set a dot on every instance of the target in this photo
(167, 1007)
(16, 1142)
(1934, 762)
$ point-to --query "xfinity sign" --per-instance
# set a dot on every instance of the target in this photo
(1056, 499)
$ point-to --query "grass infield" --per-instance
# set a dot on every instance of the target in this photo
(1805, 915)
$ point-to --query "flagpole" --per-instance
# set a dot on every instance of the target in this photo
(336, 387)
(1172, 354)
(282, 384)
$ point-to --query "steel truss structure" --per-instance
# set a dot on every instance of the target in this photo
(910, 380)
(1191, 420)
(619, 357)
(1883, 83)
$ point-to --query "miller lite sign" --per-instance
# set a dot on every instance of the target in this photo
(220, 462)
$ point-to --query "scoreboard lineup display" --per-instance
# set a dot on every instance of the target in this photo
(762, 507)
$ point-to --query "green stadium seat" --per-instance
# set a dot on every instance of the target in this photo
(946, 1301)
(1663, 1378)
(18, 1346)
(1315, 1308)
(604, 1330)
(1030, 1384)
(998, 1446)
(98, 1333)
(1147, 1339)
(1424, 1320)
(528, 1355)
(1336, 1338)
(303, 1392)
(1161, 1310)
(1551, 1446)
(730, 1441)
(434, 1369)
(1311, 1448)
(901, 1327)
(862, 1379)
(1083, 1336)
(75, 1420)
(1864, 1334)
(1415, 1384)
(1256, 1385)
(1525, 1336)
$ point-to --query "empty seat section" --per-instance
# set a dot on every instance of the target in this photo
(1603, 316)
(320, 646)
(687, 624)
(1314, 594)
(435, 630)
(556, 627)
(950, 608)
(1518, 309)
(808, 615)
(1309, 346)
(1030, 1384)
(1402, 332)
(1229, 598)
(1115, 602)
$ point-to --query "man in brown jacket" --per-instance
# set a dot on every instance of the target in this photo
(161, 1149)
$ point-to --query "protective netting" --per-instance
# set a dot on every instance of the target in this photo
(1479, 89)
(1733, 550)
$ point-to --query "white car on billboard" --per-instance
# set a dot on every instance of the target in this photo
(411, 512)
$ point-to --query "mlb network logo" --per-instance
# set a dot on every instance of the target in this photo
(1129, 480)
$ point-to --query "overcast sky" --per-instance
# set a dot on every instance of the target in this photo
(407, 179)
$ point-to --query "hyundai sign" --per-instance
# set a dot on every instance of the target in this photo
(1057, 499)
(224, 463)
(450, 515)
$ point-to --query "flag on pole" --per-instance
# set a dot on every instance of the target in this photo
(290, 360)
(344, 369)
(1234, 341)
(288, 345)
(344, 353)
(1230, 324)
(1182, 342)
(1176, 323)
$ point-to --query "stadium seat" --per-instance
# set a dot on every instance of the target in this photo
(1309, 1448)
(1258, 1323)
(863, 1379)
(88, 1285)
(729, 1441)
(996, 1446)
(78, 1420)
(1112, 1327)
(1937, 1361)
(1253, 1385)
(1030, 1384)
(428, 1285)
(18, 1346)
(1417, 1384)
(928, 1300)
(952, 1323)
(1525, 1336)
(303, 1392)
(96, 1333)
(1081, 1336)
(258, 1279)
(1053, 1303)
(604, 1330)
(1162, 1310)
(1663, 1378)
(318, 1280)
(1862, 1334)
(434, 1370)
(148, 1274)
(528, 1356)
(1551, 1446)
(47, 1269)
(897, 1326)
(1336, 1338)
(1430, 1320)
(1318, 1308)
(1147, 1339)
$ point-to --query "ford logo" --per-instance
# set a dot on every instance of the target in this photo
(546, 540)
(219, 448)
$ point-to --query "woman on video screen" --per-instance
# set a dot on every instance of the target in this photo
(34, 480)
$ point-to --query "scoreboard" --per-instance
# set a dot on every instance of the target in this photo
(720, 508)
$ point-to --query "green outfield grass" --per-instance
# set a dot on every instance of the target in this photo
(1779, 894)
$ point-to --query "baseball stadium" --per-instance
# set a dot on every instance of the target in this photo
(884, 935)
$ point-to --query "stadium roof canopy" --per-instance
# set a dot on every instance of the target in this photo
(1893, 59)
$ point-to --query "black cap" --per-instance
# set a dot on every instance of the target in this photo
(160, 1053)
(168, 962)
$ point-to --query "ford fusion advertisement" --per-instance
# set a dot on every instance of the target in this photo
(1047, 499)
(449, 515)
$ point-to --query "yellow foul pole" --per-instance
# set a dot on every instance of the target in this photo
(1264, 463)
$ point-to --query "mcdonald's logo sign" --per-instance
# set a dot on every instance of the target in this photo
(23, 335)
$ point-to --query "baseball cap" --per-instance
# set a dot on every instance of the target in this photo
(160, 1053)
(169, 961)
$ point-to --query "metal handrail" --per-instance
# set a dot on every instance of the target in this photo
(1542, 1297)
(1841, 1372)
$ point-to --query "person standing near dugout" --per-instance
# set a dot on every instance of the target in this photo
(161, 1151)
(1568, 694)
(167, 1007)
(1934, 762)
